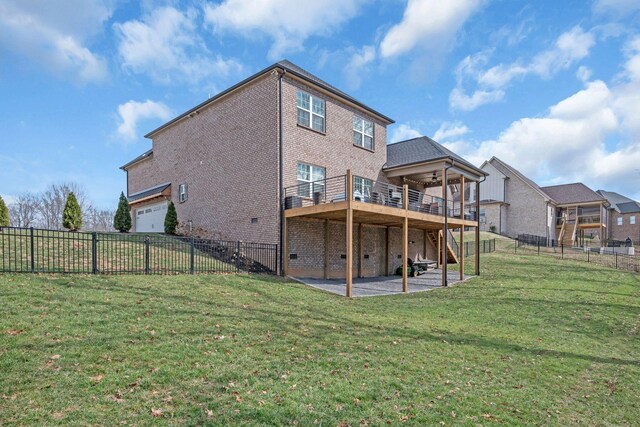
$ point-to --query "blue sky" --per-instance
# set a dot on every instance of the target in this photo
(551, 87)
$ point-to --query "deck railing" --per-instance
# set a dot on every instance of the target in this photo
(334, 189)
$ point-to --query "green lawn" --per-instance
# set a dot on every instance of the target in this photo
(533, 341)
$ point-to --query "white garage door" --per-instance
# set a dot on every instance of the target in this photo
(150, 219)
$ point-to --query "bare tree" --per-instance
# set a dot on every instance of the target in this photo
(24, 212)
(53, 199)
(99, 220)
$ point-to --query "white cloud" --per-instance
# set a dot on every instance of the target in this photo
(358, 65)
(427, 24)
(569, 48)
(583, 73)
(133, 111)
(165, 45)
(289, 23)
(403, 132)
(54, 34)
(448, 130)
(618, 7)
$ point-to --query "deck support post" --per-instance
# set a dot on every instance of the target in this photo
(405, 238)
(445, 254)
(461, 254)
(386, 251)
(477, 228)
(360, 251)
(285, 247)
(326, 248)
(349, 232)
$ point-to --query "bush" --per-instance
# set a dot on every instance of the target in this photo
(171, 219)
(72, 214)
(4, 214)
(122, 219)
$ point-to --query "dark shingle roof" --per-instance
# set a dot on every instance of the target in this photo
(158, 189)
(629, 207)
(289, 67)
(420, 150)
(572, 193)
(616, 199)
(509, 170)
(142, 156)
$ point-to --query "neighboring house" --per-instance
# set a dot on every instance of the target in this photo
(266, 161)
(512, 204)
(623, 217)
(579, 211)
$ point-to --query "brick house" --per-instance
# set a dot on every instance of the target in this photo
(623, 218)
(273, 158)
(512, 204)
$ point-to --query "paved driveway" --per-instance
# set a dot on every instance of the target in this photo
(383, 285)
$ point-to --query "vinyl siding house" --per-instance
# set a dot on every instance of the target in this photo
(623, 217)
(512, 204)
(283, 157)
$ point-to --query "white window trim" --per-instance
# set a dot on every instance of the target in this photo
(182, 193)
(312, 113)
(301, 182)
(363, 134)
(363, 186)
(632, 220)
(619, 220)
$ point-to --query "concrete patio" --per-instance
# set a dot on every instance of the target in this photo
(384, 285)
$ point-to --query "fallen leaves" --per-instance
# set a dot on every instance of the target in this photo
(97, 378)
(156, 413)
(14, 332)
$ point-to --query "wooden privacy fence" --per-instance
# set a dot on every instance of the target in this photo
(30, 250)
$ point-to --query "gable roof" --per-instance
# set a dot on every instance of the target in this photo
(509, 171)
(153, 191)
(629, 207)
(420, 150)
(572, 193)
(615, 198)
(287, 67)
(142, 156)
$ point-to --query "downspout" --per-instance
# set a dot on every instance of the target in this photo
(281, 171)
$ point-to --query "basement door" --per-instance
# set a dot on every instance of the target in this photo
(150, 218)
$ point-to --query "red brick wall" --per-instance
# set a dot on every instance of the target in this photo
(333, 150)
(621, 232)
(228, 156)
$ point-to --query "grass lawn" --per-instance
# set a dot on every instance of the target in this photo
(532, 341)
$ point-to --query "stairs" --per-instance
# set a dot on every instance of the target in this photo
(434, 236)
(567, 232)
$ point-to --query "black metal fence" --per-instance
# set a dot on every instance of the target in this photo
(607, 256)
(30, 250)
(486, 246)
(530, 239)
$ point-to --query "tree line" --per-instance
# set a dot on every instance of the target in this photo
(66, 206)
(46, 209)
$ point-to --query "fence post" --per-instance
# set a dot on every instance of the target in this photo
(588, 250)
(94, 253)
(146, 254)
(33, 261)
(562, 249)
(238, 257)
(193, 252)
(614, 251)
(538, 246)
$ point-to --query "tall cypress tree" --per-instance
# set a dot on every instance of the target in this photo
(4, 214)
(122, 219)
(171, 219)
(72, 214)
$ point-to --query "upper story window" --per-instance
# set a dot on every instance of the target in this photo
(311, 111)
(182, 193)
(363, 133)
(632, 219)
(310, 179)
(361, 188)
(619, 220)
